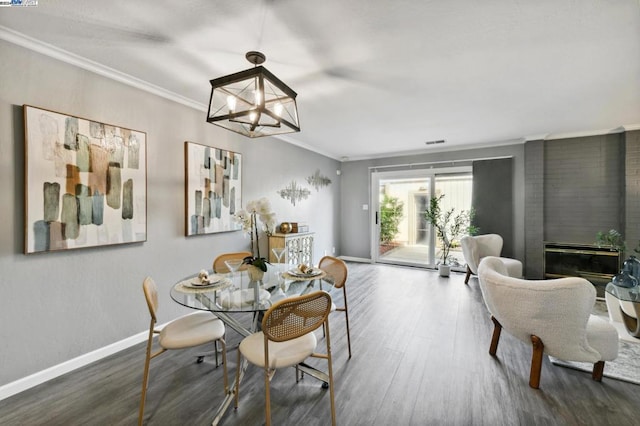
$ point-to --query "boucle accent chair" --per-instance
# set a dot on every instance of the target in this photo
(554, 315)
(476, 247)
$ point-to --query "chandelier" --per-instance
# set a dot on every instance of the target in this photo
(253, 102)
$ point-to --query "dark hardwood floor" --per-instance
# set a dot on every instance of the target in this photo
(420, 357)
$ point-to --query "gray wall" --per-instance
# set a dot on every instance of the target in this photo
(50, 311)
(356, 182)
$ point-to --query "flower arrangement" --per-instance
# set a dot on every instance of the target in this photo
(248, 218)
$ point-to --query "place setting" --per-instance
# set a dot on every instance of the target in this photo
(204, 282)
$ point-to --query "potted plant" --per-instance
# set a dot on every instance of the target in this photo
(248, 218)
(449, 226)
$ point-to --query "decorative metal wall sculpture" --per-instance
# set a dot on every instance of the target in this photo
(294, 193)
(213, 189)
(85, 183)
(318, 181)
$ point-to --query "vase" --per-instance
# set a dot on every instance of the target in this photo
(632, 266)
(255, 274)
(624, 279)
(444, 270)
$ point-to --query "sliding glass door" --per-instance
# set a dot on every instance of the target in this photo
(400, 232)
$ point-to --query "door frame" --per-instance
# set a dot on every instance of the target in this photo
(374, 229)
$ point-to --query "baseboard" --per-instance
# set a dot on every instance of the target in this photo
(40, 377)
(356, 259)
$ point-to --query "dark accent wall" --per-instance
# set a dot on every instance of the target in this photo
(493, 200)
(534, 209)
(584, 190)
(576, 187)
(632, 189)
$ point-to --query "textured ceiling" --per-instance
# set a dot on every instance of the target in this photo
(376, 77)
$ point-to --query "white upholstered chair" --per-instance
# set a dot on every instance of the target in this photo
(553, 315)
(184, 332)
(474, 248)
(287, 338)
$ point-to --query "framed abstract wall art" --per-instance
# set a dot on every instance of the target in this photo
(213, 189)
(85, 182)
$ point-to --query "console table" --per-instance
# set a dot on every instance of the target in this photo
(298, 247)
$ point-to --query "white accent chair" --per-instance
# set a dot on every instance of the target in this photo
(474, 248)
(553, 315)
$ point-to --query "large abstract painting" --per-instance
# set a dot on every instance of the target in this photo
(85, 183)
(213, 188)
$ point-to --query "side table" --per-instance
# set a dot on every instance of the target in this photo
(623, 305)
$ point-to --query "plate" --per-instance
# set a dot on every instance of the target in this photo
(213, 279)
(297, 273)
(218, 285)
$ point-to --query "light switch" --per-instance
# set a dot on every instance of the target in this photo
(365, 207)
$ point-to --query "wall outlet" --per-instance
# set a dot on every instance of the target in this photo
(333, 250)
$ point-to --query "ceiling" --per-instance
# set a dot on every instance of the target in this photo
(374, 77)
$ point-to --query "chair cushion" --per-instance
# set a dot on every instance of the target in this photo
(602, 337)
(191, 330)
(281, 354)
(513, 267)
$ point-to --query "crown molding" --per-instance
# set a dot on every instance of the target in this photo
(51, 51)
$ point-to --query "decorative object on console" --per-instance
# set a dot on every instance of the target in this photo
(258, 209)
(213, 189)
(285, 227)
(253, 102)
(294, 193)
(318, 181)
(85, 183)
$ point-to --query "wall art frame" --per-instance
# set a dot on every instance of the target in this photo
(85, 182)
(213, 189)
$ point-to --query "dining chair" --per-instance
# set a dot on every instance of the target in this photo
(336, 270)
(184, 332)
(220, 267)
(287, 339)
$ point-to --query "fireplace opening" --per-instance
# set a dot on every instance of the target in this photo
(596, 264)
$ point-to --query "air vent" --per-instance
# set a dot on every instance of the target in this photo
(434, 142)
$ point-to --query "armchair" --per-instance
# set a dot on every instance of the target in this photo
(474, 248)
(554, 315)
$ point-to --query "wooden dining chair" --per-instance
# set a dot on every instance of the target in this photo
(336, 270)
(287, 339)
(184, 332)
(220, 267)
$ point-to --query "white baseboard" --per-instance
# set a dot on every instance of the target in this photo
(356, 259)
(40, 377)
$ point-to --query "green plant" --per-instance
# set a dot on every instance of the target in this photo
(612, 238)
(448, 224)
(391, 213)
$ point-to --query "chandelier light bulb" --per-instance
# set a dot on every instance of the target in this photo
(278, 109)
(231, 102)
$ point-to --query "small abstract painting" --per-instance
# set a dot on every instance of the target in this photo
(318, 180)
(213, 189)
(294, 193)
(85, 183)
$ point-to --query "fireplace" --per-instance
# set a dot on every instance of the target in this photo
(596, 264)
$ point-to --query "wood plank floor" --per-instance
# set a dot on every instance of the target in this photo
(420, 357)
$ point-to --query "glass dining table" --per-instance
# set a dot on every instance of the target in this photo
(234, 294)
